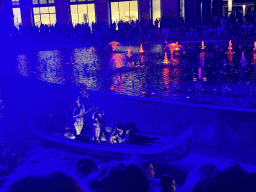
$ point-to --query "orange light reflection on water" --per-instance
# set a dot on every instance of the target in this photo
(118, 60)
(166, 76)
(254, 59)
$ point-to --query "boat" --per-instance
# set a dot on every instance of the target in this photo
(155, 148)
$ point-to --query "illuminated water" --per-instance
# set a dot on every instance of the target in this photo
(225, 79)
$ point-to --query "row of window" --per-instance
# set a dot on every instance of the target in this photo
(83, 13)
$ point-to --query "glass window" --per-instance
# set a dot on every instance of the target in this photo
(37, 20)
(36, 10)
(52, 19)
(44, 10)
(45, 19)
(16, 17)
(51, 1)
(124, 10)
(91, 13)
(134, 10)
(51, 9)
(182, 8)
(73, 9)
(75, 19)
(43, 1)
(82, 9)
(82, 13)
(115, 12)
(35, 2)
(156, 9)
(81, 18)
(44, 15)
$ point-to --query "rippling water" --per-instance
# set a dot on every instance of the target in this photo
(215, 75)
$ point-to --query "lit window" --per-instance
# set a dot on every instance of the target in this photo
(156, 9)
(42, 2)
(44, 15)
(124, 10)
(16, 17)
(35, 2)
(82, 13)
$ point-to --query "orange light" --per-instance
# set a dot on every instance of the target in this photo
(141, 49)
(166, 61)
(114, 45)
(129, 52)
(112, 88)
(230, 45)
(203, 46)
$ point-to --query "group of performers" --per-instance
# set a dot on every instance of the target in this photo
(119, 132)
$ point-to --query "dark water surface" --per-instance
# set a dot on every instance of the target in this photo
(227, 75)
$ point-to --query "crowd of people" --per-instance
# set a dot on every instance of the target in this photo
(166, 29)
(53, 170)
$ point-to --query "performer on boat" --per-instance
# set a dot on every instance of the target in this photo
(99, 125)
(120, 134)
(78, 112)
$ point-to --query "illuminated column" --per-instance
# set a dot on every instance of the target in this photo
(144, 10)
(244, 6)
(229, 7)
(170, 8)
(102, 11)
(182, 8)
(26, 11)
(63, 15)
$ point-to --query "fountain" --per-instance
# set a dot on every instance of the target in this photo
(141, 49)
(203, 46)
(118, 60)
(92, 49)
(130, 52)
(199, 73)
(166, 61)
(114, 45)
(230, 46)
(230, 53)
(254, 49)
(174, 47)
(201, 59)
(254, 59)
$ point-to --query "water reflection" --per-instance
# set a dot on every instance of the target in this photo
(49, 66)
(132, 72)
(118, 61)
(22, 65)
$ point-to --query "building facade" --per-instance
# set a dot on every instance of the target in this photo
(51, 12)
